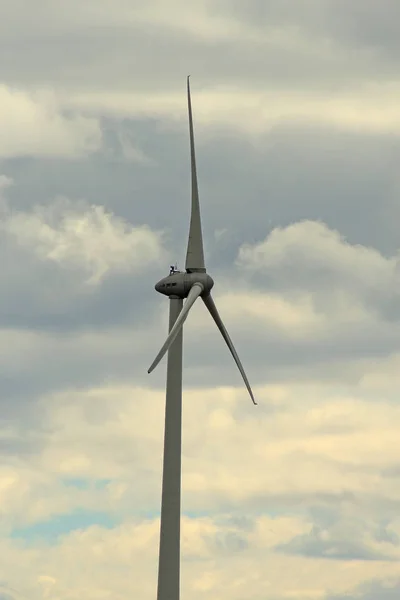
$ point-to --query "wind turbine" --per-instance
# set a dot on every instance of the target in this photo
(192, 284)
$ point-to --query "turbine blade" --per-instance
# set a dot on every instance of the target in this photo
(194, 293)
(209, 302)
(194, 253)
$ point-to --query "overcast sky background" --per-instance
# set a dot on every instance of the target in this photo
(297, 123)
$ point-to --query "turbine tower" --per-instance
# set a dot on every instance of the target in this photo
(192, 284)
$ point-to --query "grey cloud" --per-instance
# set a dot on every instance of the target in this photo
(46, 299)
(383, 534)
(21, 445)
(365, 23)
(157, 56)
(141, 193)
(393, 471)
(54, 295)
(340, 534)
(230, 542)
(314, 545)
(7, 592)
(361, 23)
(298, 172)
(376, 590)
(63, 361)
(54, 336)
(339, 355)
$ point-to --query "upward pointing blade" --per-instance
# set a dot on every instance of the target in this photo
(194, 253)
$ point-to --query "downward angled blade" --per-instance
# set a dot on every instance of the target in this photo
(209, 302)
(194, 293)
(194, 253)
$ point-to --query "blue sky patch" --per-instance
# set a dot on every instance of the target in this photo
(60, 525)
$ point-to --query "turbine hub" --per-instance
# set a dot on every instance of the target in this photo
(178, 284)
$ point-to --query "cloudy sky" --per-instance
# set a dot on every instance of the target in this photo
(297, 120)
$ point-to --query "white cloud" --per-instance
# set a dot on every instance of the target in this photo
(311, 75)
(303, 445)
(315, 440)
(313, 247)
(306, 285)
(33, 124)
(122, 563)
(208, 41)
(316, 280)
(5, 182)
(197, 20)
(293, 318)
(314, 469)
(370, 109)
(86, 238)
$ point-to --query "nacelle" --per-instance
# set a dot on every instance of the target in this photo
(179, 284)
